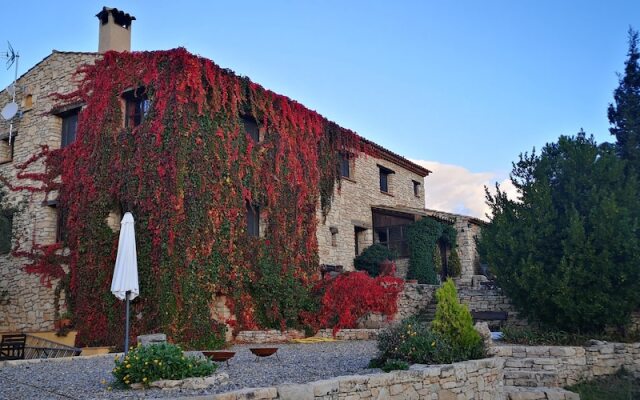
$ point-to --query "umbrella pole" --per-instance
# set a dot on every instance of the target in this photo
(126, 329)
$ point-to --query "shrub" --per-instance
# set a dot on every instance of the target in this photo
(284, 296)
(454, 267)
(371, 258)
(453, 321)
(160, 361)
(394, 365)
(414, 342)
(350, 296)
(536, 336)
(423, 236)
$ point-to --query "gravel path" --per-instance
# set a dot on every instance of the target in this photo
(81, 378)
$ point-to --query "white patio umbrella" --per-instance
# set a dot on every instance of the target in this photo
(125, 276)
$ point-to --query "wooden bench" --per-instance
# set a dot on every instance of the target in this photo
(489, 315)
(12, 347)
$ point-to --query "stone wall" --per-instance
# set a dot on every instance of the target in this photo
(476, 379)
(413, 299)
(351, 208)
(28, 304)
(558, 366)
(490, 300)
(468, 229)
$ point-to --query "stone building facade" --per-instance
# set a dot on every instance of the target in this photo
(386, 186)
(468, 229)
(27, 303)
(351, 224)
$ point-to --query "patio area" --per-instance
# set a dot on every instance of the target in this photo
(83, 377)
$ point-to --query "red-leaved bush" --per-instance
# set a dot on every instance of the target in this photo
(348, 297)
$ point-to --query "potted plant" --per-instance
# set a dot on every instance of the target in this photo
(64, 321)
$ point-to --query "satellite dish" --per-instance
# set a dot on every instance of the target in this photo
(9, 111)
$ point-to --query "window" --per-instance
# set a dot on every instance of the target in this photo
(390, 230)
(384, 178)
(334, 236)
(69, 127)
(61, 230)
(137, 106)
(251, 128)
(253, 220)
(6, 229)
(416, 188)
(345, 165)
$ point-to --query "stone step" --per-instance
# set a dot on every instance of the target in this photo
(530, 378)
(538, 393)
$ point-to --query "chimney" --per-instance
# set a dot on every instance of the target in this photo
(115, 30)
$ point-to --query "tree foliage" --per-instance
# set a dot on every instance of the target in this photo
(371, 258)
(624, 114)
(567, 251)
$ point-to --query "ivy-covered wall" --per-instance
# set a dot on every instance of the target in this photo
(187, 174)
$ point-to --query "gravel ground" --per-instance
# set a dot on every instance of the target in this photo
(81, 378)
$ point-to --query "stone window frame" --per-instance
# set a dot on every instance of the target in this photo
(10, 146)
(8, 216)
(253, 220)
(251, 127)
(347, 159)
(416, 188)
(69, 125)
(385, 178)
(137, 106)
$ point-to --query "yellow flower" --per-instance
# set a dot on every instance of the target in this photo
(433, 344)
(103, 381)
(109, 388)
(144, 379)
(155, 361)
(128, 365)
(146, 363)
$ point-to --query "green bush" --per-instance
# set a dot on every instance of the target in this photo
(159, 361)
(453, 321)
(412, 341)
(437, 259)
(454, 267)
(423, 236)
(395, 365)
(371, 257)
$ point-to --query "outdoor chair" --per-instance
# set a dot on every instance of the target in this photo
(12, 347)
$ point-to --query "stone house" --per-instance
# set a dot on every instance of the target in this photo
(377, 196)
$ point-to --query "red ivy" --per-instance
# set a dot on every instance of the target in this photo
(353, 295)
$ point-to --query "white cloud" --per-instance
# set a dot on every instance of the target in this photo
(455, 189)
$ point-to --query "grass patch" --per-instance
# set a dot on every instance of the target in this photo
(621, 386)
(534, 337)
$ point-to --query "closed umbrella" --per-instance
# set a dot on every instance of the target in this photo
(125, 276)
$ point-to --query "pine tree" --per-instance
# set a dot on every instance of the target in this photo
(567, 252)
(624, 114)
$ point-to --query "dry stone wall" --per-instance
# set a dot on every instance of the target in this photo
(558, 366)
(27, 304)
(476, 379)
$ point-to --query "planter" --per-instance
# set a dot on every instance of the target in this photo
(219, 355)
(63, 323)
(264, 351)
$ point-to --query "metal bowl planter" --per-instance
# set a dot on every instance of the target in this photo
(264, 351)
(219, 355)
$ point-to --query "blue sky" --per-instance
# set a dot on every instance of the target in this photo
(466, 83)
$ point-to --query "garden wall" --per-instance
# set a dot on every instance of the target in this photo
(489, 300)
(557, 366)
(476, 379)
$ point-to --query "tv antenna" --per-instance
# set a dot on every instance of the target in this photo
(10, 110)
